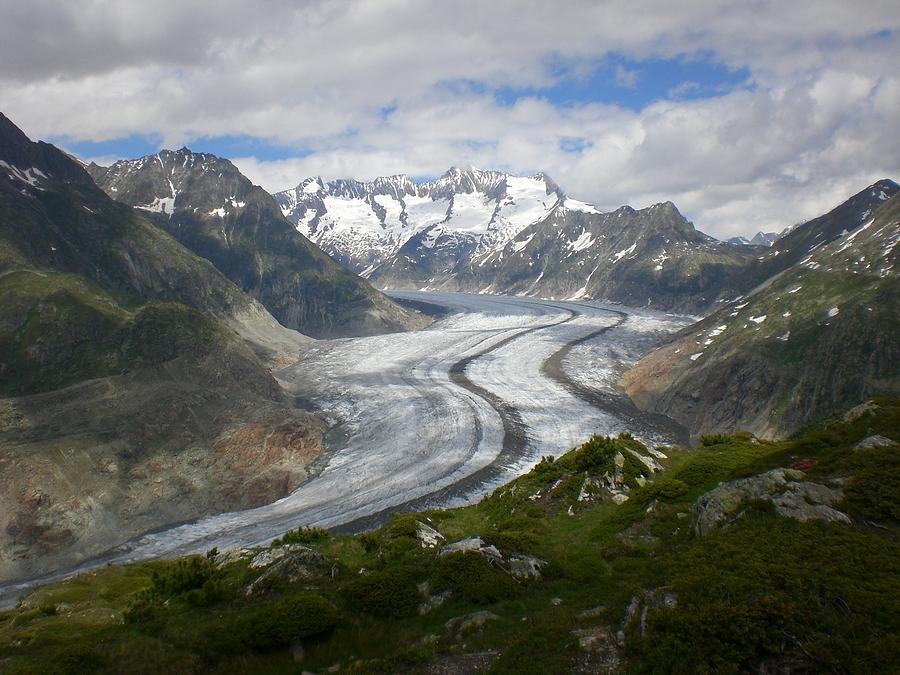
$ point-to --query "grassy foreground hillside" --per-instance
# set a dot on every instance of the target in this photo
(737, 556)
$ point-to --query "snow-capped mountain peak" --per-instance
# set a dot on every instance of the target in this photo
(363, 223)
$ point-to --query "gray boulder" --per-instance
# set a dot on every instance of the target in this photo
(875, 441)
(470, 623)
(525, 567)
(791, 496)
(641, 605)
(291, 563)
(427, 536)
(472, 545)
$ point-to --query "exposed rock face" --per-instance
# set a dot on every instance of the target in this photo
(525, 567)
(89, 466)
(427, 536)
(601, 651)
(519, 566)
(791, 496)
(292, 562)
(465, 625)
(215, 211)
(473, 545)
(818, 337)
(876, 441)
(642, 605)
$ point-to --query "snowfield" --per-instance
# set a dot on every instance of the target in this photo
(441, 416)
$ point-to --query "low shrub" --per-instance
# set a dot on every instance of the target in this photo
(596, 455)
(666, 488)
(285, 621)
(390, 592)
(196, 580)
(547, 466)
(470, 576)
(302, 535)
(872, 492)
(512, 541)
(544, 645)
(713, 439)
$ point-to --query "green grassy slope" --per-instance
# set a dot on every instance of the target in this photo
(765, 592)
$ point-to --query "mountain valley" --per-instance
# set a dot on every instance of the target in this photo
(186, 372)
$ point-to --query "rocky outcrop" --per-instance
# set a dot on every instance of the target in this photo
(876, 441)
(473, 545)
(786, 489)
(427, 536)
(290, 563)
(643, 604)
(87, 467)
(519, 566)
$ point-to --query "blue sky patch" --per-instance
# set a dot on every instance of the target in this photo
(245, 146)
(573, 144)
(633, 84)
(136, 145)
(613, 80)
(130, 147)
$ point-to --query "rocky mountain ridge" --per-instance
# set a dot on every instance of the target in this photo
(216, 212)
(817, 333)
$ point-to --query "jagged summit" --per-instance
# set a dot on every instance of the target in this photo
(362, 224)
(205, 202)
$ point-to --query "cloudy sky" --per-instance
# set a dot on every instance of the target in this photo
(748, 115)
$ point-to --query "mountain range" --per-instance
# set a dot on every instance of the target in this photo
(143, 305)
(759, 239)
(486, 231)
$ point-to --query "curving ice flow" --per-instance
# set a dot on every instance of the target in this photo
(440, 416)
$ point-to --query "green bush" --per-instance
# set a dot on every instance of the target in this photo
(512, 541)
(771, 588)
(302, 535)
(873, 492)
(401, 525)
(470, 576)
(285, 621)
(185, 575)
(390, 592)
(544, 645)
(713, 439)
(596, 455)
(195, 579)
(547, 468)
(666, 488)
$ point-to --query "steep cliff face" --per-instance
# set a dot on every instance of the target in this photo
(816, 337)
(216, 212)
(127, 400)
